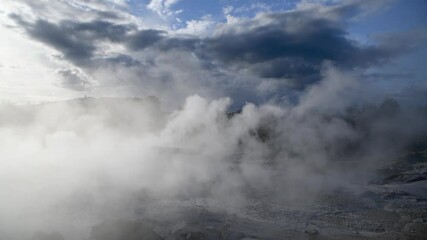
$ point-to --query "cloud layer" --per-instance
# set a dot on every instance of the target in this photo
(282, 49)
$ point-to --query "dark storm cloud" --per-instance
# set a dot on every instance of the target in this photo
(75, 40)
(60, 37)
(288, 45)
(180, 43)
(160, 40)
(280, 50)
(120, 59)
(98, 30)
(72, 79)
(145, 38)
(319, 41)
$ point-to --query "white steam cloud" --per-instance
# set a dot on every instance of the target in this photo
(67, 166)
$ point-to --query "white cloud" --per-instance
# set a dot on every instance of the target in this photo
(162, 7)
(227, 14)
(202, 26)
(227, 10)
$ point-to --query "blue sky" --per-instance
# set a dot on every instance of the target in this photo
(399, 15)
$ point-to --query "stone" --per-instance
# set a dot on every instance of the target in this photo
(124, 229)
(311, 229)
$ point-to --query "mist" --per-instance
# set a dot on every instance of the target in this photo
(69, 165)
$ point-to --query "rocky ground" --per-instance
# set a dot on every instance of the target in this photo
(394, 206)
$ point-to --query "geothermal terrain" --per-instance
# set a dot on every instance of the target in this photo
(116, 169)
(213, 120)
(392, 207)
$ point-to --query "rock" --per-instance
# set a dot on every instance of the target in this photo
(193, 236)
(311, 229)
(420, 220)
(124, 230)
(394, 195)
(414, 178)
(197, 234)
(417, 226)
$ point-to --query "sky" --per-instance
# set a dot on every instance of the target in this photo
(251, 51)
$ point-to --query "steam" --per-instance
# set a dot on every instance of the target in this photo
(66, 166)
